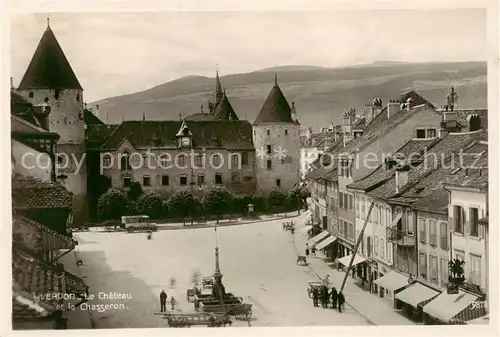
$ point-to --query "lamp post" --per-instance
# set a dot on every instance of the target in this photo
(192, 194)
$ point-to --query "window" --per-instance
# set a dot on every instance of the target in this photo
(356, 201)
(183, 179)
(387, 251)
(165, 180)
(431, 133)
(164, 161)
(443, 235)
(341, 200)
(198, 159)
(244, 158)
(475, 270)
(420, 133)
(106, 160)
(235, 178)
(387, 217)
(409, 222)
(433, 269)
(127, 181)
(146, 181)
(459, 255)
(344, 168)
(286, 132)
(362, 201)
(346, 229)
(269, 149)
(422, 259)
(78, 97)
(473, 224)
(125, 161)
(382, 248)
(278, 182)
(247, 178)
(268, 132)
(218, 178)
(422, 232)
(444, 271)
(368, 246)
(341, 228)
(432, 233)
(269, 164)
(31, 94)
(201, 178)
(235, 162)
(376, 246)
(216, 160)
(458, 218)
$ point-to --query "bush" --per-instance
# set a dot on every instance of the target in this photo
(217, 201)
(135, 191)
(277, 199)
(151, 204)
(296, 197)
(112, 204)
(182, 203)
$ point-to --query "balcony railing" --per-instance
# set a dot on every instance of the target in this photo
(400, 237)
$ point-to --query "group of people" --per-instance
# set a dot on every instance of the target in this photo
(322, 293)
(313, 250)
(163, 301)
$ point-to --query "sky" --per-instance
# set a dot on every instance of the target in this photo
(120, 53)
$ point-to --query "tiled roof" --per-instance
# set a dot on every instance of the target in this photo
(25, 307)
(383, 127)
(416, 99)
(210, 134)
(49, 68)
(275, 109)
(24, 109)
(97, 134)
(90, 119)
(29, 193)
(19, 220)
(380, 174)
(331, 175)
(317, 139)
(463, 114)
(360, 124)
(224, 111)
(437, 201)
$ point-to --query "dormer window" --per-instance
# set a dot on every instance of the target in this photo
(184, 136)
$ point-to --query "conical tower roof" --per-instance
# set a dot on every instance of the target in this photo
(224, 110)
(276, 108)
(49, 68)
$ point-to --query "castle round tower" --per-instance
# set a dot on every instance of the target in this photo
(277, 143)
(50, 82)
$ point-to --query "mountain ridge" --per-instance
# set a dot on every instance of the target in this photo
(320, 94)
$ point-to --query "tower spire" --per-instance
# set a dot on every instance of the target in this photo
(48, 22)
(276, 79)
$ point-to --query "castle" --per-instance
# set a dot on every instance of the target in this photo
(246, 158)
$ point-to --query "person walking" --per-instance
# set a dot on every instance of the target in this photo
(163, 301)
(313, 251)
(333, 294)
(307, 250)
(324, 297)
(172, 303)
(315, 297)
(341, 301)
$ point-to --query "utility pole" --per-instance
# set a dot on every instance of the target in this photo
(357, 246)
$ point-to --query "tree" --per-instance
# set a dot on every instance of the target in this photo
(151, 204)
(181, 203)
(296, 197)
(217, 201)
(135, 191)
(112, 204)
(276, 199)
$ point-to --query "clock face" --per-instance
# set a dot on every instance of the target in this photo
(186, 141)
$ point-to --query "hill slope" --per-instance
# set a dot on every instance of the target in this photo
(320, 94)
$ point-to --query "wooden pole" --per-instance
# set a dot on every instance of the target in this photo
(356, 247)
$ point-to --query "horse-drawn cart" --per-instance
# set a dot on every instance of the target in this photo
(241, 312)
(314, 285)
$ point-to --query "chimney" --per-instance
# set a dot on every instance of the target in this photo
(393, 107)
(401, 178)
(443, 130)
(12, 83)
(372, 111)
(96, 113)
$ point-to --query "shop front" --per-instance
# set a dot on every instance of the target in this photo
(454, 309)
(413, 299)
(391, 282)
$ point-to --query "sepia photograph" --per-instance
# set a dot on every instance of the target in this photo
(250, 169)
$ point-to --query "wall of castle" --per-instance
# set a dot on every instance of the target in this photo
(283, 170)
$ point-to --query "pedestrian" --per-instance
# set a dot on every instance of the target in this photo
(324, 297)
(341, 301)
(172, 303)
(307, 250)
(315, 297)
(163, 301)
(313, 251)
(333, 294)
(326, 281)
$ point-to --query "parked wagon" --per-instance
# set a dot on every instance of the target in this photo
(314, 285)
(241, 312)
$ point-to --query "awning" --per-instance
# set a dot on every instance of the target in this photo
(392, 281)
(396, 219)
(481, 320)
(446, 306)
(416, 294)
(318, 237)
(347, 259)
(330, 239)
(305, 229)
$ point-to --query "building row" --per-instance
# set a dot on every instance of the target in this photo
(411, 189)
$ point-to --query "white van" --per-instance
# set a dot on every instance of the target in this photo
(138, 223)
